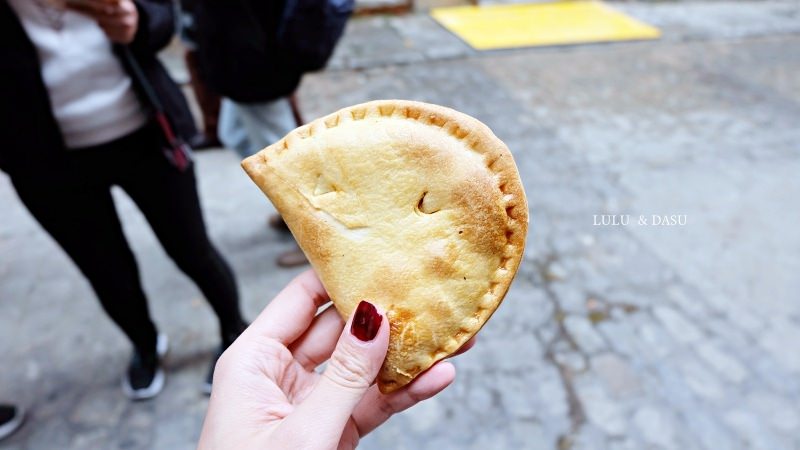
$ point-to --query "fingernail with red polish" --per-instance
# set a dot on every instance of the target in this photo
(366, 322)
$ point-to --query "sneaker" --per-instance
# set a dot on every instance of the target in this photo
(206, 388)
(145, 376)
(11, 418)
(201, 141)
(226, 342)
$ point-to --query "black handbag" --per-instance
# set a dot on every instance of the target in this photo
(175, 149)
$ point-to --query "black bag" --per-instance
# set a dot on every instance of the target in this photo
(175, 149)
(310, 29)
(256, 50)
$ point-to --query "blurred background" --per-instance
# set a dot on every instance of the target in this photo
(613, 336)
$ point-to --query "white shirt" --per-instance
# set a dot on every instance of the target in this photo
(90, 93)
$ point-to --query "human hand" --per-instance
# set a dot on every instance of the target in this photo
(266, 393)
(118, 19)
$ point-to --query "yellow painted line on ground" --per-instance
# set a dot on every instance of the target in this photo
(538, 24)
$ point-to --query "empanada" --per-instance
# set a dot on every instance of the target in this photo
(414, 207)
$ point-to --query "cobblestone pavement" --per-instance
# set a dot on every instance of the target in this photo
(612, 337)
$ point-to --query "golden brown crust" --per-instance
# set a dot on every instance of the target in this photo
(427, 221)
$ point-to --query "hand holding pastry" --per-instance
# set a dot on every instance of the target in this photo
(118, 19)
(267, 393)
(415, 219)
(417, 207)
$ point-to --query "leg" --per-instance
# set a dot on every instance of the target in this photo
(266, 122)
(208, 100)
(170, 203)
(83, 221)
(231, 131)
(298, 116)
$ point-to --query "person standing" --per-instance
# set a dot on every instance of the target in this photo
(87, 106)
(237, 49)
(255, 54)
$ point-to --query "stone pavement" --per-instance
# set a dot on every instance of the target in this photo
(612, 337)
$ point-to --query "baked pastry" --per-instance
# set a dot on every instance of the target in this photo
(414, 207)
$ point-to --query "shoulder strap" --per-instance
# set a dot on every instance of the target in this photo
(178, 152)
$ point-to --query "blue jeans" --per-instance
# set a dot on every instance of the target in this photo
(249, 127)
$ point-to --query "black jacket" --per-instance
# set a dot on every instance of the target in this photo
(29, 133)
(237, 46)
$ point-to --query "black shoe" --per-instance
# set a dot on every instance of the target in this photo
(11, 418)
(202, 142)
(145, 376)
(227, 341)
(210, 375)
(292, 258)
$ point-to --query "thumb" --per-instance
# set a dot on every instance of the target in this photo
(318, 422)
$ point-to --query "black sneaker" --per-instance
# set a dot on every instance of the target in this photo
(145, 376)
(210, 375)
(11, 418)
(226, 342)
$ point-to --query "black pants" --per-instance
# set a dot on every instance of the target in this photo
(71, 199)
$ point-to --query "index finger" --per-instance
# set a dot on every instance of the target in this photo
(290, 313)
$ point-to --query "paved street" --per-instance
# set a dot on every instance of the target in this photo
(636, 336)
